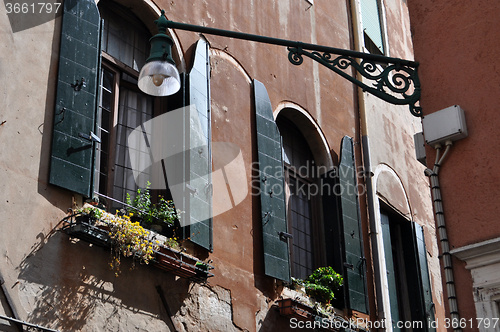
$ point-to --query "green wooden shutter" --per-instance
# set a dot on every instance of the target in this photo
(390, 270)
(71, 163)
(354, 261)
(272, 193)
(428, 310)
(370, 15)
(200, 163)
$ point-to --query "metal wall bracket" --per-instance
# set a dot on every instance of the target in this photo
(79, 85)
(284, 236)
(90, 137)
(393, 80)
(395, 83)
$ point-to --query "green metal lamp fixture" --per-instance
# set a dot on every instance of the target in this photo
(159, 76)
(392, 79)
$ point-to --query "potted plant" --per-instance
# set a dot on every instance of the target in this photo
(88, 214)
(126, 237)
(322, 284)
(161, 217)
(201, 269)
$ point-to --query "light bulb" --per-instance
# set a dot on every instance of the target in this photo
(158, 79)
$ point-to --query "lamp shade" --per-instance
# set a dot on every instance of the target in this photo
(159, 78)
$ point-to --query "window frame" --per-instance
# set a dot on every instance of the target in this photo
(369, 45)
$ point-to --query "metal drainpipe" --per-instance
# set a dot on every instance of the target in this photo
(443, 236)
(370, 197)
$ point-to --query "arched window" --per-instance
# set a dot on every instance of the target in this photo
(98, 104)
(302, 200)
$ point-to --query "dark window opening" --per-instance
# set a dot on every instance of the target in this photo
(302, 201)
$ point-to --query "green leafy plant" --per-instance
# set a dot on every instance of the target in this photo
(92, 213)
(322, 284)
(172, 243)
(162, 212)
(201, 268)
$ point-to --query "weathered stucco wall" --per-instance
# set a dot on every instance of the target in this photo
(67, 285)
(456, 45)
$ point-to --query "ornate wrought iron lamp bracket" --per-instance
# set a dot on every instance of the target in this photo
(393, 80)
(395, 83)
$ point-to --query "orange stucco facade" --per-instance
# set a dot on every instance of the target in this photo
(456, 45)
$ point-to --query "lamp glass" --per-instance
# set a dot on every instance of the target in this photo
(159, 78)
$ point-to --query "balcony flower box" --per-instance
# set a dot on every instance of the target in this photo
(97, 235)
(182, 265)
(294, 309)
(165, 258)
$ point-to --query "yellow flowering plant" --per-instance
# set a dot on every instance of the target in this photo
(129, 239)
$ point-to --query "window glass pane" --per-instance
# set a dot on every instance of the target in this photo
(113, 46)
(125, 37)
(297, 154)
(134, 108)
(301, 230)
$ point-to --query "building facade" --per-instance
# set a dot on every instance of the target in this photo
(467, 177)
(279, 169)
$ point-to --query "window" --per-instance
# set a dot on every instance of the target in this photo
(122, 106)
(407, 274)
(302, 200)
(372, 26)
(297, 241)
(98, 104)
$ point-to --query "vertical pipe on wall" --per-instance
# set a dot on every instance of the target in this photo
(370, 196)
(443, 236)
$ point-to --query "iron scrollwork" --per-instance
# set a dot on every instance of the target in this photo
(395, 83)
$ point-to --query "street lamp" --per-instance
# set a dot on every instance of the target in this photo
(393, 80)
(159, 76)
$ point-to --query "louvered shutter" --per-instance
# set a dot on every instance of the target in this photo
(354, 261)
(272, 193)
(428, 310)
(370, 15)
(199, 143)
(71, 164)
(390, 270)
